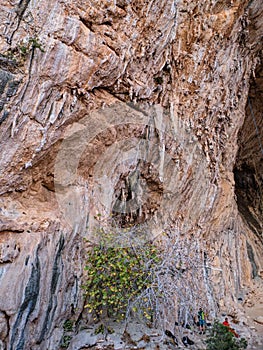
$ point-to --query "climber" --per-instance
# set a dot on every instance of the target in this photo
(226, 324)
(201, 320)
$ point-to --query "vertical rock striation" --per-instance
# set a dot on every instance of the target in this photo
(105, 100)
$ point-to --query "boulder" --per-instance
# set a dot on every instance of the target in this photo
(83, 339)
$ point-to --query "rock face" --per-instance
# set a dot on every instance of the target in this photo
(101, 100)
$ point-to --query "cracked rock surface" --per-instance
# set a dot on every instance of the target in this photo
(96, 93)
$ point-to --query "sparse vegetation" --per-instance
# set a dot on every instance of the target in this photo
(68, 326)
(65, 341)
(103, 329)
(66, 338)
(23, 49)
(158, 80)
(220, 338)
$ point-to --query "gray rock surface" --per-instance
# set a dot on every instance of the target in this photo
(91, 91)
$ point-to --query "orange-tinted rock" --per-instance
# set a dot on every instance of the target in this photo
(109, 90)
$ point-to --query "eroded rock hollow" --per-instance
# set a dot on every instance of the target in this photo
(149, 112)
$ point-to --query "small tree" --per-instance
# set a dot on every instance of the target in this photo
(128, 273)
(220, 338)
(118, 276)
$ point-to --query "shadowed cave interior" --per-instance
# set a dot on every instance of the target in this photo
(248, 170)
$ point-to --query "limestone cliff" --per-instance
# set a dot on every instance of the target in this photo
(95, 93)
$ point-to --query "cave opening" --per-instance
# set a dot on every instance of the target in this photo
(248, 169)
(137, 194)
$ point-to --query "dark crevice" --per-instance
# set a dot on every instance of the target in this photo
(248, 170)
(251, 257)
(6, 62)
(113, 49)
(137, 195)
(18, 336)
(107, 23)
(52, 303)
(86, 23)
(49, 187)
(4, 116)
(29, 73)
(7, 319)
(12, 230)
(20, 10)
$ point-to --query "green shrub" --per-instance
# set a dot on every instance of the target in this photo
(65, 341)
(68, 326)
(23, 49)
(103, 329)
(220, 338)
(127, 275)
(117, 277)
(158, 80)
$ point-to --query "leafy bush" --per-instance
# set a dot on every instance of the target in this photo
(103, 329)
(126, 274)
(65, 341)
(117, 277)
(66, 338)
(68, 326)
(23, 49)
(220, 338)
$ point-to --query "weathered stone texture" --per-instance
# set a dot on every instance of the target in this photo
(99, 79)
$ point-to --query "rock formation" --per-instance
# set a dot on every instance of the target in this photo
(150, 110)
